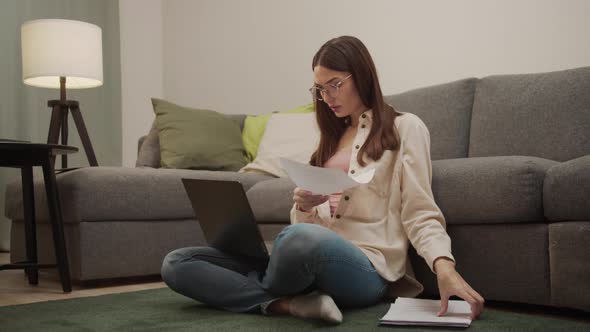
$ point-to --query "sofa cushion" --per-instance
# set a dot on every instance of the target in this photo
(545, 115)
(149, 155)
(446, 111)
(271, 200)
(255, 125)
(291, 136)
(468, 190)
(119, 193)
(490, 189)
(198, 138)
(566, 191)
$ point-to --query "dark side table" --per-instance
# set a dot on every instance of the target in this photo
(25, 156)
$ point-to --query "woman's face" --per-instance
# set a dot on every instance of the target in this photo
(346, 101)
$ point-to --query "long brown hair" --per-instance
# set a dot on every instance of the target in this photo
(349, 54)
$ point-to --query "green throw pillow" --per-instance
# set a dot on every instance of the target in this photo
(254, 127)
(198, 139)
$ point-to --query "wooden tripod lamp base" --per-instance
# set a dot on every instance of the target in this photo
(59, 124)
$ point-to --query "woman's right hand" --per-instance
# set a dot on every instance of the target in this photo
(306, 200)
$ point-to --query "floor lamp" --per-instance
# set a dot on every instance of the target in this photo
(63, 54)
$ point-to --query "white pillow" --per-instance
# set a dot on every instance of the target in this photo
(292, 136)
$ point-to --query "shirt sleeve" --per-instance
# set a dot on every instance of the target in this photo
(422, 219)
(311, 217)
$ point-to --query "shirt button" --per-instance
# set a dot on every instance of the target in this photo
(364, 116)
(346, 198)
(357, 147)
(352, 172)
(363, 126)
(337, 216)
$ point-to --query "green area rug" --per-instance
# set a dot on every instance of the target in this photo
(164, 310)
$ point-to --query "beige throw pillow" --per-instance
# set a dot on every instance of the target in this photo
(291, 136)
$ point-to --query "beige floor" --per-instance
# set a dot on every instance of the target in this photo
(15, 288)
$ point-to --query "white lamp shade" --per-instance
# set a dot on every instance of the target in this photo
(53, 47)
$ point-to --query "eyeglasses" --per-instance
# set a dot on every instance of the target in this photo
(331, 90)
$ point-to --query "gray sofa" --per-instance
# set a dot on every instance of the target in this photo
(511, 172)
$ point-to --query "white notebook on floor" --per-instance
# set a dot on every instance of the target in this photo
(408, 311)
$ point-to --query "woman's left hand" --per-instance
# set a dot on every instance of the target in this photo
(451, 283)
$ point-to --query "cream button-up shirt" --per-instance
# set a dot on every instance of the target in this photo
(394, 206)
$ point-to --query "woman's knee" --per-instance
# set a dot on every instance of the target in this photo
(361, 297)
(172, 261)
(303, 239)
(167, 271)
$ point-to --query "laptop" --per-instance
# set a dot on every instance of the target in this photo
(224, 213)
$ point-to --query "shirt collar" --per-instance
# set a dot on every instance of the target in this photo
(366, 117)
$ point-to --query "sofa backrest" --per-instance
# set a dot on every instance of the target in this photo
(446, 111)
(544, 115)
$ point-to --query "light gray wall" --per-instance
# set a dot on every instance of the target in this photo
(255, 56)
(141, 69)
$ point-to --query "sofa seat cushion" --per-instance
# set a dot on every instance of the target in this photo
(119, 193)
(490, 189)
(271, 200)
(566, 191)
(468, 191)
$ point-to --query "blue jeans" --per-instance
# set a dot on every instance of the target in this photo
(305, 257)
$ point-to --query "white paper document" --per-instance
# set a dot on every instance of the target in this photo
(409, 311)
(321, 180)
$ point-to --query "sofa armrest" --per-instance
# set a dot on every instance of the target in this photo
(140, 142)
(566, 190)
(148, 154)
